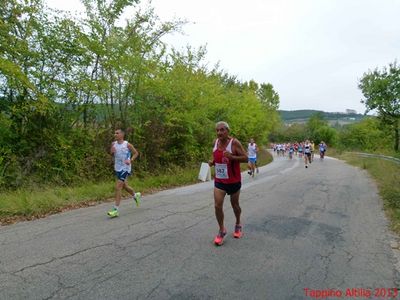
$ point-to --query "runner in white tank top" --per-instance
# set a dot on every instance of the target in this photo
(121, 155)
(124, 154)
(252, 150)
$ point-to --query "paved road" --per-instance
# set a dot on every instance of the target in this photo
(318, 228)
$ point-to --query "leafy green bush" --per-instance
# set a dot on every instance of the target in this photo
(367, 135)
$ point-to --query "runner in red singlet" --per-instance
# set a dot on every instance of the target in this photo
(228, 153)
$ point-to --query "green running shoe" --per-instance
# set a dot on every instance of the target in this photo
(137, 197)
(113, 213)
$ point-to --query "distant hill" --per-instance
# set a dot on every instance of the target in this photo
(302, 116)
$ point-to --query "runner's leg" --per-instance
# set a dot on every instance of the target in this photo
(235, 205)
(118, 188)
(219, 196)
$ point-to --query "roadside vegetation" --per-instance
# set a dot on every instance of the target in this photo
(67, 82)
(32, 203)
(28, 204)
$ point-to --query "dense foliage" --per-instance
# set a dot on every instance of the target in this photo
(316, 129)
(367, 135)
(381, 89)
(66, 83)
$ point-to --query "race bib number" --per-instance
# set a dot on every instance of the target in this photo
(221, 171)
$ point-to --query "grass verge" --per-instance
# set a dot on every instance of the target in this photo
(33, 203)
(387, 176)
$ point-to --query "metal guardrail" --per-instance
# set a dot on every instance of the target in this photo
(390, 158)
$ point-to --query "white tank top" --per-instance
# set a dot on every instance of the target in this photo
(251, 150)
(228, 148)
(122, 153)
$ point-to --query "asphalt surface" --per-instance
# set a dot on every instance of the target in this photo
(306, 231)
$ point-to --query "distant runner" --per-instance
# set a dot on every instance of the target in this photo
(252, 150)
(307, 153)
(291, 151)
(322, 150)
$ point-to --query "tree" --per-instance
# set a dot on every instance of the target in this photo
(289, 133)
(367, 135)
(268, 96)
(381, 89)
(318, 129)
(316, 121)
(65, 81)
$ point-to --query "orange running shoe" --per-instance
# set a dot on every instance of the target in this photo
(237, 234)
(219, 239)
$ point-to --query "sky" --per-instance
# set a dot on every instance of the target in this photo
(314, 52)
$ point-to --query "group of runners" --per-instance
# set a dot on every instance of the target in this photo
(227, 154)
(304, 150)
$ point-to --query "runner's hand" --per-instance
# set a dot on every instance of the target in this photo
(113, 150)
(228, 155)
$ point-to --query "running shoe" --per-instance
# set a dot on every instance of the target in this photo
(137, 197)
(219, 239)
(113, 213)
(237, 234)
